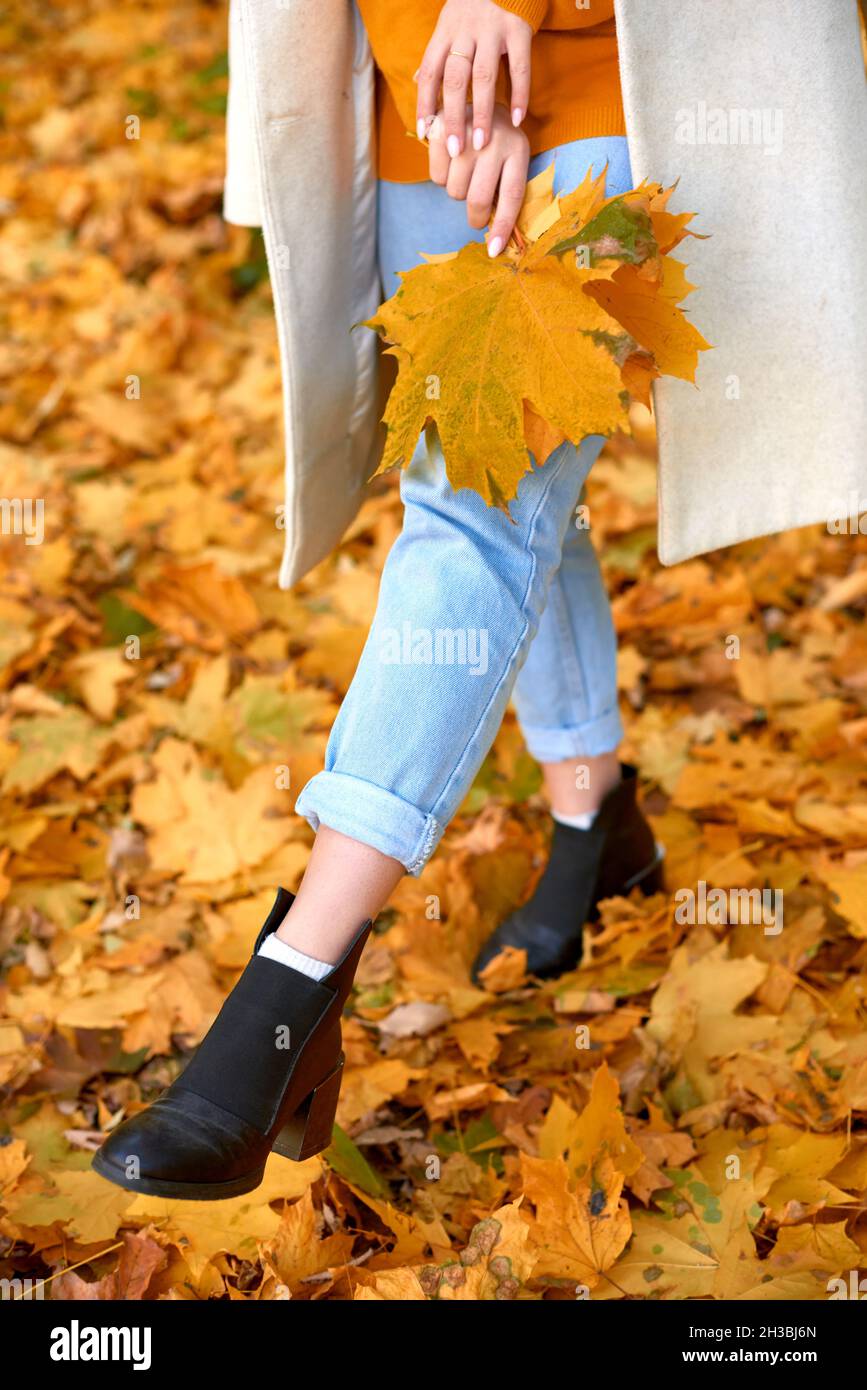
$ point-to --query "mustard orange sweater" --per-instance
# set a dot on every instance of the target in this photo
(575, 80)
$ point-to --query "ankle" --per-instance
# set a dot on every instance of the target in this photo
(345, 884)
(301, 931)
(579, 788)
(275, 948)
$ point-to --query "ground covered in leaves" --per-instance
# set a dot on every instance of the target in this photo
(684, 1116)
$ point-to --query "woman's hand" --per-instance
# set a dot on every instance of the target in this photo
(475, 175)
(470, 38)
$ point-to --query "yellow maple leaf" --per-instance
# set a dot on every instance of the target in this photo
(298, 1249)
(698, 1245)
(200, 828)
(599, 1128)
(577, 1234)
(693, 1015)
(233, 1224)
(653, 319)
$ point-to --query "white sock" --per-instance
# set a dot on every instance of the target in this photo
(580, 822)
(275, 949)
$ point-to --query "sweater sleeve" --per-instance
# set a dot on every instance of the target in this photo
(533, 11)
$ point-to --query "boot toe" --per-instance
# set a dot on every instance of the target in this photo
(548, 951)
(489, 952)
(193, 1144)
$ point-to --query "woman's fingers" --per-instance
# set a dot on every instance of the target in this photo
(482, 190)
(429, 77)
(518, 44)
(474, 175)
(513, 183)
(459, 175)
(485, 68)
(457, 75)
(457, 60)
(438, 155)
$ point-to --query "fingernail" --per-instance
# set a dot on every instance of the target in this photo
(453, 145)
(478, 138)
(517, 115)
(495, 246)
(415, 74)
(419, 128)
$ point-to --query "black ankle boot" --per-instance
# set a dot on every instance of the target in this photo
(618, 853)
(266, 1076)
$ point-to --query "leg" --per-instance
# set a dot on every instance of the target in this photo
(570, 798)
(566, 698)
(325, 912)
(461, 597)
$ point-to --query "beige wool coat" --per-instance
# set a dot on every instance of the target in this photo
(758, 107)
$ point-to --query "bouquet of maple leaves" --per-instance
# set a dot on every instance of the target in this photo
(543, 344)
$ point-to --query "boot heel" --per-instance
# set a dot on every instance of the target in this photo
(308, 1130)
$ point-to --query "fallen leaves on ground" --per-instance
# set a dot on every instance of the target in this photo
(681, 1117)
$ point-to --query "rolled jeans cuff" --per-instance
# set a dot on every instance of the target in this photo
(588, 740)
(372, 815)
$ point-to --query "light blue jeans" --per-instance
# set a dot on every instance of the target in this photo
(472, 607)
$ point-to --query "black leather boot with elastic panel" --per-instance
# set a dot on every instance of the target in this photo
(266, 1076)
(618, 853)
